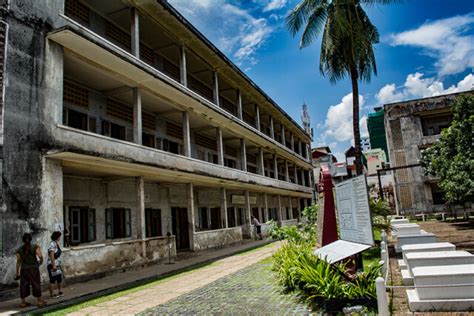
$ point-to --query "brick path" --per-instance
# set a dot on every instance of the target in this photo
(161, 293)
(251, 291)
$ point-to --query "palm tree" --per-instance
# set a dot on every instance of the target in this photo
(346, 47)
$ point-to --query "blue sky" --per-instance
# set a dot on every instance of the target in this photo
(426, 48)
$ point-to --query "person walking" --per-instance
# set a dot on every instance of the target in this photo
(54, 265)
(258, 227)
(28, 260)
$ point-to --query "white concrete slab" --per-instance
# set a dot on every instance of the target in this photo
(340, 249)
(407, 278)
(399, 221)
(422, 238)
(450, 282)
(437, 258)
(437, 246)
(445, 305)
(401, 264)
(405, 229)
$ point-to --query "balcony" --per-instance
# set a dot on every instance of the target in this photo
(139, 35)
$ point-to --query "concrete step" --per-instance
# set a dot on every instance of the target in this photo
(452, 282)
(436, 246)
(441, 305)
(421, 238)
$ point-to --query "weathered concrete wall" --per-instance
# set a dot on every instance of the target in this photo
(291, 222)
(405, 140)
(28, 82)
(217, 238)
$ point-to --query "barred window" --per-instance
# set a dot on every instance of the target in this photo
(76, 10)
(75, 94)
(118, 35)
(119, 110)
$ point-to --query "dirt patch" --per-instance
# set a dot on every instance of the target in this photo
(460, 233)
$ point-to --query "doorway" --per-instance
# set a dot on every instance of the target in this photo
(180, 227)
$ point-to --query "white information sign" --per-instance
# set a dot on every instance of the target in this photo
(352, 200)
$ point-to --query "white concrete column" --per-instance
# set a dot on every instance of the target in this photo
(308, 152)
(303, 178)
(243, 155)
(137, 116)
(291, 207)
(257, 117)
(239, 104)
(220, 146)
(382, 302)
(280, 207)
(261, 214)
(186, 134)
(140, 212)
(247, 231)
(191, 218)
(140, 207)
(272, 130)
(287, 173)
(299, 148)
(283, 138)
(215, 88)
(182, 66)
(275, 166)
(265, 207)
(260, 162)
(135, 32)
(224, 219)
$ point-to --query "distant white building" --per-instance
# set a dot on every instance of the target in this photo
(365, 143)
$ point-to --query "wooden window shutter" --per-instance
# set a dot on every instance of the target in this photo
(109, 219)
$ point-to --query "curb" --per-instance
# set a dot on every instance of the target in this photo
(139, 282)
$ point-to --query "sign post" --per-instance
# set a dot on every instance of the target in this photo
(355, 223)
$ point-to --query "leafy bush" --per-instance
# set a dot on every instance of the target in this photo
(305, 233)
(298, 269)
(380, 211)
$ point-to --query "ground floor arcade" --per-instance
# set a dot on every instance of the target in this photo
(116, 218)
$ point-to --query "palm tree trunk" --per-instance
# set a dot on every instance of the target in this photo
(355, 118)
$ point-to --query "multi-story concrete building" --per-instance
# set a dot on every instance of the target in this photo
(122, 123)
(412, 126)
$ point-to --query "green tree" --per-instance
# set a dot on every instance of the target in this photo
(451, 158)
(346, 45)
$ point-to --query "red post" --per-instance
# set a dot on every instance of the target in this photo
(329, 220)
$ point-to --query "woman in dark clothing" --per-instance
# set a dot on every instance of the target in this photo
(28, 259)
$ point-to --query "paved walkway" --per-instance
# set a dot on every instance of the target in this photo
(251, 291)
(200, 280)
(116, 281)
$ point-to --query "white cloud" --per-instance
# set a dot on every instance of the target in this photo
(338, 123)
(275, 5)
(233, 30)
(388, 94)
(416, 86)
(446, 40)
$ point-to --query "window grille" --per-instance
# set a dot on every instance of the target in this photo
(171, 69)
(200, 88)
(206, 142)
(146, 54)
(252, 159)
(75, 94)
(118, 35)
(396, 134)
(149, 121)
(174, 130)
(119, 110)
(75, 9)
(227, 105)
(405, 196)
(231, 151)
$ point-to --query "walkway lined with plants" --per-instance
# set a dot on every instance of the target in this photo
(140, 299)
(251, 291)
